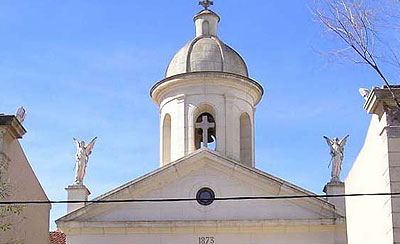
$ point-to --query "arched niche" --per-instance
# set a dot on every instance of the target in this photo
(246, 145)
(166, 140)
(205, 28)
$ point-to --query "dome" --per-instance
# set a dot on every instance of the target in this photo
(206, 52)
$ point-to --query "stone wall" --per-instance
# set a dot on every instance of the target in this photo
(376, 219)
(32, 226)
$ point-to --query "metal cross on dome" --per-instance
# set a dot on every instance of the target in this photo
(206, 3)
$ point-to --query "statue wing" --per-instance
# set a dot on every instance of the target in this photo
(76, 143)
(90, 146)
(328, 141)
(343, 141)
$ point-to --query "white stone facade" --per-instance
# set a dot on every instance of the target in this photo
(376, 170)
(225, 96)
(308, 220)
(206, 86)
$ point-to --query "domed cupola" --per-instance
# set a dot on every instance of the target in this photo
(207, 99)
(206, 52)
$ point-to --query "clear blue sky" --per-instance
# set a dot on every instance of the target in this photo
(85, 68)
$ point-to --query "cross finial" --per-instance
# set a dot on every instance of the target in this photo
(206, 3)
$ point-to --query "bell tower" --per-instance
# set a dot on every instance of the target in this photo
(207, 99)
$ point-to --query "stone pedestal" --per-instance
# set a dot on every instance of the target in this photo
(76, 193)
(336, 188)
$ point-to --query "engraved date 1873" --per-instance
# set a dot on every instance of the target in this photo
(206, 240)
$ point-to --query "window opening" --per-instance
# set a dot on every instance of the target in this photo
(205, 196)
(205, 131)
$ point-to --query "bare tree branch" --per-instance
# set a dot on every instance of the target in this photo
(354, 24)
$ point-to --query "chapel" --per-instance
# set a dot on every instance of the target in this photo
(207, 103)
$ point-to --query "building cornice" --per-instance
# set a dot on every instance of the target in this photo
(179, 80)
(191, 226)
(379, 98)
(12, 125)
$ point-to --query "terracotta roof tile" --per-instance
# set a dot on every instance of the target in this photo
(57, 237)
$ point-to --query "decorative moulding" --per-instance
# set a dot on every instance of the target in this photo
(222, 79)
(78, 188)
(380, 100)
(12, 125)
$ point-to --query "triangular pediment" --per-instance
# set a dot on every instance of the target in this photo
(204, 168)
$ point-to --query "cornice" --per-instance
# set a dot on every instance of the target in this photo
(237, 81)
(380, 97)
(211, 226)
(12, 125)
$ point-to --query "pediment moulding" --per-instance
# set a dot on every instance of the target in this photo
(204, 158)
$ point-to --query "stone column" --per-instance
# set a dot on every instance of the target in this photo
(336, 188)
(76, 193)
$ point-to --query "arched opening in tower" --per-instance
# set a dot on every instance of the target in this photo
(205, 128)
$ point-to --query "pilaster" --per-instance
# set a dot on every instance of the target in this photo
(178, 129)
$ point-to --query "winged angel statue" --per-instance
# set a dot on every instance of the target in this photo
(82, 157)
(337, 150)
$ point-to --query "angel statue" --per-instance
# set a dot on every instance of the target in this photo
(82, 157)
(337, 149)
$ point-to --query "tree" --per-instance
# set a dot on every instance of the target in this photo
(365, 28)
(7, 212)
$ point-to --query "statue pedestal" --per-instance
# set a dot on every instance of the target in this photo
(336, 188)
(76, 193)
